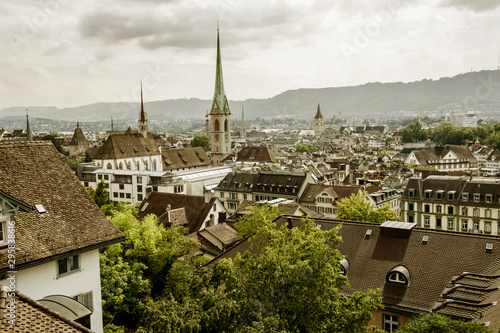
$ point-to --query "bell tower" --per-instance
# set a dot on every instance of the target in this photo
(220, 131)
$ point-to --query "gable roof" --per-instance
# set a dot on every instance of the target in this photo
(195, 208)
(126, 145)
(184, 158)
(35, 174)
(256, 154)
(33, 317)
(222, 232)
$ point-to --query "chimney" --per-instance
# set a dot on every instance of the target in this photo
(222, 217)
(289, 221)
(212, 222)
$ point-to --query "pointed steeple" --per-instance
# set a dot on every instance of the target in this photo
(219, 104)
(318, 113)
(142, 115)
(77, 124)
(242, 115)
(28, 128)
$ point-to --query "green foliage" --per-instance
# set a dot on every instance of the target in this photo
(290, 283)
(201, 141)
(257, 217)
(110, 328)
(306, 148)
(358, 208)
(87, 158)
(100, 195)
(414, 132)
(149, 264)
(436, 323)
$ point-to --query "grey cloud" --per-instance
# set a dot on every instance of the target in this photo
(474, 5)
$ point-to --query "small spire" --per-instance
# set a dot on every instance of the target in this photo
(143, 115)
(77, 124)
(318, 113)
(28, 128)
(242, 114)
(112, 127)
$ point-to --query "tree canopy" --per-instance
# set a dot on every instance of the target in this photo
(202, 141)
(436, 323)
(358, 208)
(303, 148)
(256, 217)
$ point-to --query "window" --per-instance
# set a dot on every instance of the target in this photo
(477, 197)
(86, 299)
(207, 224)
(465, 211)
(68, 265)
(465, 196)
(397, 277)
(139, 188)
(178, 188)
(488, 198)
(127, 195)
(410, 218)
(410, 207)
(115, 194)
(411, 193)
(450, 223)
(427, 221)
(215, 208)
(450, 210)
(427, 208)
(439, 209)
(487, 227)
(476, 212)
(233, 196)
(245, 196)
(139, 197)
(451, 195)
(428, 194)
(121, 187)
(487, 213)
(85, 184)
(465, 224)
(476, 226)
(222, 194)
(390, 323)
(3, 232)
(122, 195)
(232, 205)
(439, 195)
(106, 177)
(139, 180)
(438, 222)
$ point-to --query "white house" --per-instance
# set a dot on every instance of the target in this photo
(50, 229)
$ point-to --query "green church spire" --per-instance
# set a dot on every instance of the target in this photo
(220, 100)
(318, 113)
(242, 114)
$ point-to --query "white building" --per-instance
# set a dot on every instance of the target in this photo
(57, 228)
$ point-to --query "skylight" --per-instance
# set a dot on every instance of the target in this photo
(40, 209)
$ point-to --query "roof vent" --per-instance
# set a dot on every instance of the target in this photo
(425, 239)
(318, 226)
(40, 209)
(489, 247)
(396, 229)
(368, 232)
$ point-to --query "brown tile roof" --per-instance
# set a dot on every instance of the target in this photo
(78, 138)
(312, 190)
(34, 173)
(32, 317)
(447, 260)
(196, 209)
(256, 154)
(126, 145)
(223, 232)
(184, 158)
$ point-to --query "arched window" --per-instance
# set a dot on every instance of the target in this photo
(120, 166)
(226, 126)
(154, 165)
(146, 165)
(216, 125)
(344, 266)
(399, 274)
(137, 165)
(109, 166)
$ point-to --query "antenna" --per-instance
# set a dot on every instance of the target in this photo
(498, 66)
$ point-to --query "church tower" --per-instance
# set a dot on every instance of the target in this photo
(319, 123)
(243, 127)
(143, 122)
(220, 137)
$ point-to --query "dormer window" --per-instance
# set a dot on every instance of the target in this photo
(399, 274)
(465, 196)
(344, 266)
(477, 197)
(489, 198)
(428, 194)
(411, 193)
(451, 195)
(439, 194)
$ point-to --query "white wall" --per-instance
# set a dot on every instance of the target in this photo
(40, 281)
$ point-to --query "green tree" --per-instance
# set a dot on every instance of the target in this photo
(201, 141)
(255, 218)
(290, 281)
(436, 323)
(303, 148)
(358, 208)
(414, 132)
(100, 195)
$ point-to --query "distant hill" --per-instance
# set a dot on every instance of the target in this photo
(480, 90)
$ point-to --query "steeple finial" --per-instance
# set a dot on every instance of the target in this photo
(28, 128)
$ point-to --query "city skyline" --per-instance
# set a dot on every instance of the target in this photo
(65, 54)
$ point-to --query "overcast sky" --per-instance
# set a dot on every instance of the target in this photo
(75, 52)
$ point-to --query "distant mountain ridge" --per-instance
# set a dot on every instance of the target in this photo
(477, 90)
